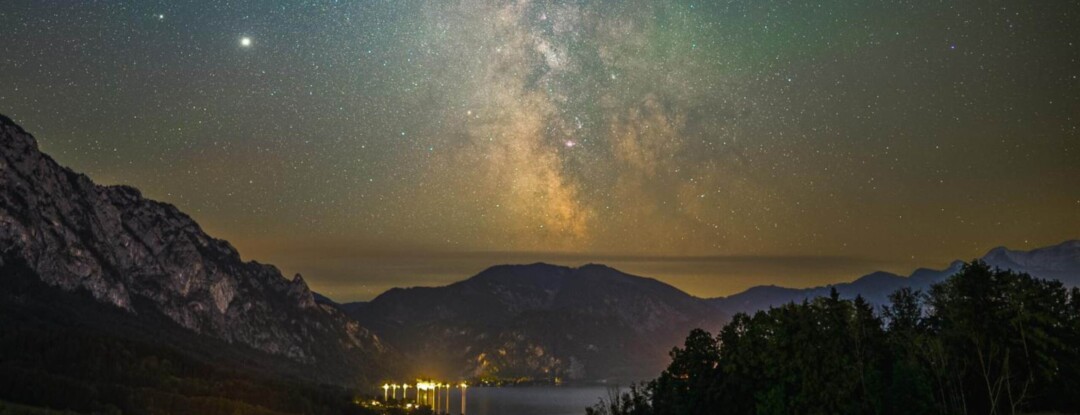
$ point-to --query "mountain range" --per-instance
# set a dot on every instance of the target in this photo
(595, 322)
(80, 260)
(1059, 262)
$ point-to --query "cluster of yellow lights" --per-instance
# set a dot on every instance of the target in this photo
(424, 386)
(431, 385)
(427, 391)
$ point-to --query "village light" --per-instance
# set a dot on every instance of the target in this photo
(435, 397)
(447, 405)
(420, 386)
(463, 386)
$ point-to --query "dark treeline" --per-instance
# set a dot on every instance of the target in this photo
(985, 341)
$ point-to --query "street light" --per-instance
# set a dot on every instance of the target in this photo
(404, 392)
(420, 387)
(394, 387)
(436, 397)
(463, 386)
(385, 389)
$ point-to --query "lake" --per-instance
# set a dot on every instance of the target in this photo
(532, 400)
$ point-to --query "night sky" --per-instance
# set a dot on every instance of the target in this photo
(714, 145)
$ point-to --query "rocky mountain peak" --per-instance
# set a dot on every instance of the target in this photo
(118, 246)
(18, 134)
(299, 289)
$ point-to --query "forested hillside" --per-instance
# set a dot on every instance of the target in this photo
(985, 341)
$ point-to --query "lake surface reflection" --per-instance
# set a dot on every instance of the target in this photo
(532, 400)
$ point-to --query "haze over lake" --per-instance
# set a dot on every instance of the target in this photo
(538, 400)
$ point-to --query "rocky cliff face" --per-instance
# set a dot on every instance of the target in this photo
(539, 322)
(119, 247)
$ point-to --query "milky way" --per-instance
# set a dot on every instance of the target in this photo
(714, 145)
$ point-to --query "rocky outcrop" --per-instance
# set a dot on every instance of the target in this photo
(120, 247)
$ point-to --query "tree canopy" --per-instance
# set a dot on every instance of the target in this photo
(984, 341)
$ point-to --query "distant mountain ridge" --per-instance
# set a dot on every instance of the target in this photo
(1058, 262)
(593, 322)
(538, 321)
(147, 257)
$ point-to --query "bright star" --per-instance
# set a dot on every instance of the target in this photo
(245, 41)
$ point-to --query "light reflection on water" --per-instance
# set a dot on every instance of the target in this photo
(532, 400)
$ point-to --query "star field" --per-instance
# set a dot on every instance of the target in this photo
(714, 145)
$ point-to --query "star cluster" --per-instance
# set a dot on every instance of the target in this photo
(714, 145)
